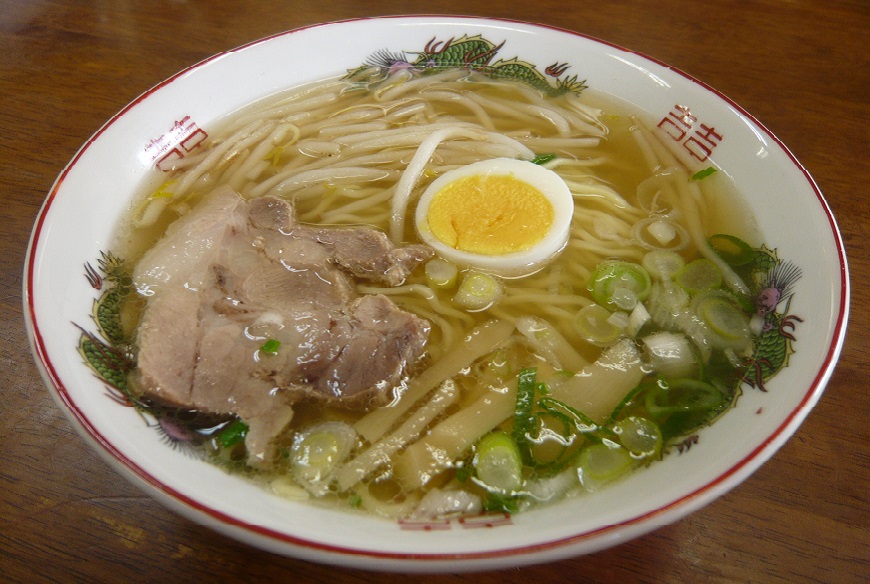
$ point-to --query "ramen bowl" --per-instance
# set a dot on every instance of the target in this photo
(167, 123)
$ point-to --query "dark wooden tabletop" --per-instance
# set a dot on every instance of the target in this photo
(801, 67)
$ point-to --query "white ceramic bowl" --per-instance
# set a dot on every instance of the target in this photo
(95, 189)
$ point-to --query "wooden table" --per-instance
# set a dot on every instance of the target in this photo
(801, 67)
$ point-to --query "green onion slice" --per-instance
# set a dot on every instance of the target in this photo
(441, 273)
(619, 283)
(640, 436)
(726, 319)
(271, 347)
(733, 250)
(544, 158)
(702, 174)
(524, 419)
(603, 462)
(478, 291)
(232, 434)
(317, 451)
(628, 400)
(594, 325)
(498, 462)
(581, 422)
(699, 276)
(663, 264)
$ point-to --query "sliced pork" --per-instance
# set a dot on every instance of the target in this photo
(232, 274)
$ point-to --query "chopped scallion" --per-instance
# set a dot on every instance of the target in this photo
(232, 434)
(317, 451)
(271, 347)
(637, 320)
(524, 418)
(628, 400)
(702, 174)
(581, 422)
(478, 291)
(619, 283)
(662, 264)
(544, 158)
(498, 463)
(602, 462)
(463, 473)
(441, 273)
(698, 276)
(732, 249)
(506, 504)
(725, 319)
(641, 436)
(594, 325)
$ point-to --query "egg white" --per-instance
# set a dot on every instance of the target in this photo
(514, 264)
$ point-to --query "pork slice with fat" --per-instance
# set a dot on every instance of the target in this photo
(183, 255)
(232, 274)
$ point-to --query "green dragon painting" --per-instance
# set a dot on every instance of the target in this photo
(473, 53)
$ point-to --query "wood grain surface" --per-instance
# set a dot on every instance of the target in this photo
(801, 67)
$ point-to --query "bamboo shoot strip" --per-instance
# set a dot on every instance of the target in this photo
(600, 387)
(551, 343)
(450, 439)
(379, 453)
(482, 340)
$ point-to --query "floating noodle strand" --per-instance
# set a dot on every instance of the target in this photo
(292, 106)
(547, 144)
(255, 131)
(558, 120)
(462, 99)
(260, 152)
(426, 293)
(643, 142)
(339, 130)
(406, 84)
(280, 185)
(560, 163)
(605, 250)
(546, 298)
(361, 200)
(406, 109)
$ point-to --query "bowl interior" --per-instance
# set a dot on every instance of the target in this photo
(80, 216)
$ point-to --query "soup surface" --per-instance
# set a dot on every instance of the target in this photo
(425, 295)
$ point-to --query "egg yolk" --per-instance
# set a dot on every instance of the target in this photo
(490, 215)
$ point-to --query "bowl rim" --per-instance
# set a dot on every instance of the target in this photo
(325, 552)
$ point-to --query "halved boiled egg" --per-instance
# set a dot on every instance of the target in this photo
(504, 216)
